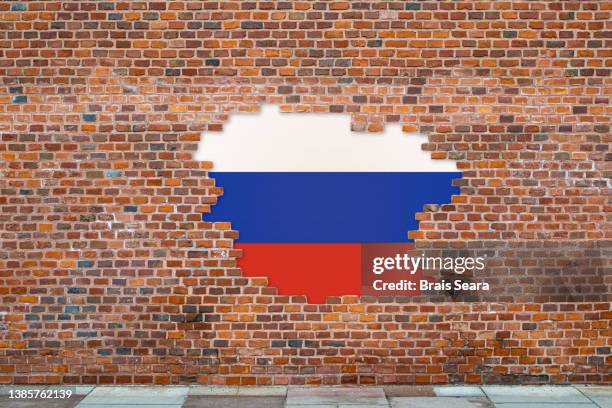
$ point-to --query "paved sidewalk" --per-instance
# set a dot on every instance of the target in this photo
(400, 396)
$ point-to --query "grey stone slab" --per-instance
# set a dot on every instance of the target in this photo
(127, 406)
(201, 401)
(533, 394)
(167, 391)
(458, 391)
(599, 389)
(367, 392)
(362, 406)
(213, 390)
(136, 395)
(71, 402)
(440, 402)
(603, 401)
(335, 395)
(601, 395)
(311, 406)
(132, 401)
(409, 391)
(263, 391)
(545, 405)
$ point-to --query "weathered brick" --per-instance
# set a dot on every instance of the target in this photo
(18, 7)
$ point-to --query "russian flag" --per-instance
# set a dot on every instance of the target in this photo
(305, 193)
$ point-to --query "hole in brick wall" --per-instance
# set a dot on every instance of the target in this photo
(271, 141)
(305, 192)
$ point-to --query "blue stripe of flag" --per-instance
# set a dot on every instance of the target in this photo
(327, 207)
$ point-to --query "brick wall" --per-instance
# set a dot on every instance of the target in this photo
(108, 274)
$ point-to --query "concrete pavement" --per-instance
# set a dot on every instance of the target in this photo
(400, 396)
